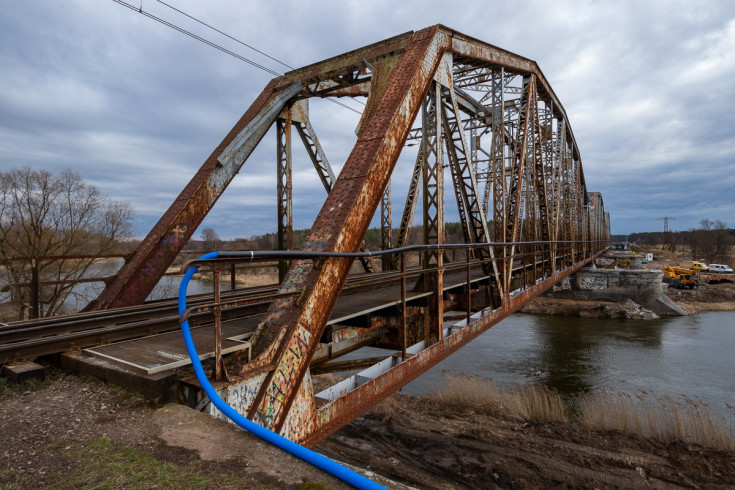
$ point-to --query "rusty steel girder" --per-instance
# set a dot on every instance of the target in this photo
(532, 177)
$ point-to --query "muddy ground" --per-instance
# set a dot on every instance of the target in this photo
(79, 433)
(429, 445)
(706, 297)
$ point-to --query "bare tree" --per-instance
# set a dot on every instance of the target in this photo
(42, 214)
(210, 238)
(710, 242)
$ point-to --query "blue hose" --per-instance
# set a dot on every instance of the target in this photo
(316, 459)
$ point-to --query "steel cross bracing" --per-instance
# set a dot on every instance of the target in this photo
(486, 115)
(298, 116)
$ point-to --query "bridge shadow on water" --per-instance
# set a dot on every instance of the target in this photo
(579, 355)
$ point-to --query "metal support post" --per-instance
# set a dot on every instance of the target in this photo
(285, 196)
(35, 290)
(386, 229)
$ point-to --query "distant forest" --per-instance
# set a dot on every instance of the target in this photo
(712, 242)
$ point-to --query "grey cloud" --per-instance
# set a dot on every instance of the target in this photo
(136, 107)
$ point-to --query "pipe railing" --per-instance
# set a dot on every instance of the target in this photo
(530, 256)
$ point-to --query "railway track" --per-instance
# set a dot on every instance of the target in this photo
(27, 340)
(30, 339)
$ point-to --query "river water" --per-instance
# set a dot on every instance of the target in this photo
(692, 355)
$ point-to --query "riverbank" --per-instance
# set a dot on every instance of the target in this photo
(77, 432)
(427, 442)
(706, 297)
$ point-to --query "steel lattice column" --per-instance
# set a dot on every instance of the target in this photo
(433, 181)
(284, 189)
(515, 202)
(386, 229)
(433, 175)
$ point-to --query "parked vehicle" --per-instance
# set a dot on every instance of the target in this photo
(695, 266)
(699, 267)
(720, 268)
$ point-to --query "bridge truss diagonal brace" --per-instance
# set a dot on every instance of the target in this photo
(299, 114)
(137, 278)
(471, 210)
(308, 136)
(341, 224)
(516, 200)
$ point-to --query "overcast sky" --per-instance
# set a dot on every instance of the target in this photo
(136, 107)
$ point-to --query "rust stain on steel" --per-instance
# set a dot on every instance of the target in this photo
(473, 48)
(341, 411)
(326, 69)
(346, 214)
(380, 76)
(137, 278)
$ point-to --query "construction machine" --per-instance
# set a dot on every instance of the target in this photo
(680, 277)
(620, 264)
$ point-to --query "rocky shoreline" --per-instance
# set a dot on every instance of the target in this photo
(707, 297)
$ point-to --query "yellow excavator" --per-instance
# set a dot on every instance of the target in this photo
(680, 277)
(620, 264)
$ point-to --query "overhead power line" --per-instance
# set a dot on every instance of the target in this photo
(225, 34)
(215, 45)
(198, 38)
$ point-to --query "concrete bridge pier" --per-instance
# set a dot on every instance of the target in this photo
(643, 286)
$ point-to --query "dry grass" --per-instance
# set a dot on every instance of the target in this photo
(645, 415)
(528, 401)
(256, 277)
(662, 418)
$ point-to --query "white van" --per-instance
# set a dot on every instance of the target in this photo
(720, 268)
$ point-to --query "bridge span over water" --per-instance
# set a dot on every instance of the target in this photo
(482, 117)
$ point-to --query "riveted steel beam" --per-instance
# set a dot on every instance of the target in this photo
(301, 122)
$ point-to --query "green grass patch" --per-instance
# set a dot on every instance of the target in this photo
(107, 465)
(9, 388)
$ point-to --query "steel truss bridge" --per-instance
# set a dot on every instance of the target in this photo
(488, 116)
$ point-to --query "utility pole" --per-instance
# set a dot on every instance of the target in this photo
(667, 234)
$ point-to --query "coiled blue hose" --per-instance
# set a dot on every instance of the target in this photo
(316, 459)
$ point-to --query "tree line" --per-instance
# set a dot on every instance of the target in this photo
(711, 242)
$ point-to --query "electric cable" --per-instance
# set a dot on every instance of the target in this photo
(320, 461)
(225, 34)
(217, 46)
